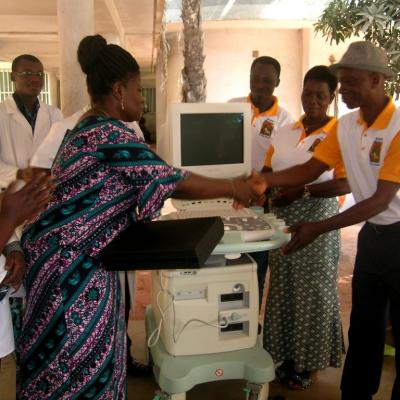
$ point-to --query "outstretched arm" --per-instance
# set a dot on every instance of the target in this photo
(331, 188)
(304, 233)
(295, 176)
(243, 190)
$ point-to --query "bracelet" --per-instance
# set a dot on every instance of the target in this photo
(233, 188)
(13, 246)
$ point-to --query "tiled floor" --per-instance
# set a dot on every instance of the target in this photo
(326, 387)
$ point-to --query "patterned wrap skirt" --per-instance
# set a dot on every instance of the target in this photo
(302, 317)
(74, 343)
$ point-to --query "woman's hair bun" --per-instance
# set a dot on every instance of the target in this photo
(89, 50)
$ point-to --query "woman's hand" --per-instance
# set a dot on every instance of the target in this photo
(17, 207)
(15, 265)
(284, 196)
(303, 233)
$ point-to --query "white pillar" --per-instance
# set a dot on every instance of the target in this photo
(75, 21)
(53, 84)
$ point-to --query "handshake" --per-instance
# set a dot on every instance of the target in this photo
(249, 191)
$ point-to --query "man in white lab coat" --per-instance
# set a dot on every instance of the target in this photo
(24, 120)
(24, 123)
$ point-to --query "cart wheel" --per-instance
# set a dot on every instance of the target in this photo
(256, 391)
(161, 395)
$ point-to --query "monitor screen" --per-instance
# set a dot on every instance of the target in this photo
(211, 139)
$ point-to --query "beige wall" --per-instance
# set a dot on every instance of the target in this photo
(229, 57)
(229, 50)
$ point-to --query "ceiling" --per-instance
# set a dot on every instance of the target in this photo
(30, 26)
(251, 9)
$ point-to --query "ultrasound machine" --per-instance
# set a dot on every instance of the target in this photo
(202, 324)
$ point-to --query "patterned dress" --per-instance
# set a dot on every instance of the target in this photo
(73, 340)
(302, 316)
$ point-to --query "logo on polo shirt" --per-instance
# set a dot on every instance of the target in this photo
(267, 128)
(314, 145)
(375, 152)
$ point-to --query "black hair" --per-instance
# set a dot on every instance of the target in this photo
(104, 64)
(266, 60)
(322, 73)
(18, 59)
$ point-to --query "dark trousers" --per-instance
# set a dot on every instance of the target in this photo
(261, 259)
(376, 284)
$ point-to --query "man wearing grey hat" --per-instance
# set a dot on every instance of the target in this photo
(367, 141)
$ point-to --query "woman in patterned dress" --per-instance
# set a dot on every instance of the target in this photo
(73, 342)
(302, 326)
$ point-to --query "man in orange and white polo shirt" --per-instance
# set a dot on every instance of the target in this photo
(367, 141)
(266, 117)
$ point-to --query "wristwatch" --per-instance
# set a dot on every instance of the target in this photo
(306, 192)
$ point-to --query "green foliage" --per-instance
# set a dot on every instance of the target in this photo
(374, 20)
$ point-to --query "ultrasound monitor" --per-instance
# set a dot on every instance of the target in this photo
(211, 139)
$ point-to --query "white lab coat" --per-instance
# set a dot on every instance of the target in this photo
(6, 329)
(17, 143)
(7, 345)
(44, 155)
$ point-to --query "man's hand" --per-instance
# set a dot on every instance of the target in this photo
(15, 265)
(17, 207)
(303, 233)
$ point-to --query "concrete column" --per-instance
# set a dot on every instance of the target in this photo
(75, 21)
(54, 95)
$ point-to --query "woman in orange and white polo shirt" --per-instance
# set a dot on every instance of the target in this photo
(302, 328)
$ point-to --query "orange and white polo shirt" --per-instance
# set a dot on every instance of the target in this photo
(263, 126)
(291, 146)
(369, 154)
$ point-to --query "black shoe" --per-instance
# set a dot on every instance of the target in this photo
(135, 368)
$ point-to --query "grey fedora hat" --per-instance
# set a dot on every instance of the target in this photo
(364, 55)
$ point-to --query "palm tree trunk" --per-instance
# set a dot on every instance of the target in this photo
(193, 79)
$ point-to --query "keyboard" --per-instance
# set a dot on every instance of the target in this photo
(251, 226)
(228, 212)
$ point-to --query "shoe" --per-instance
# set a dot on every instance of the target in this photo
(300, 381)
(135, 368)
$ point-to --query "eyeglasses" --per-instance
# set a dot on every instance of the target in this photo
(30, 74)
